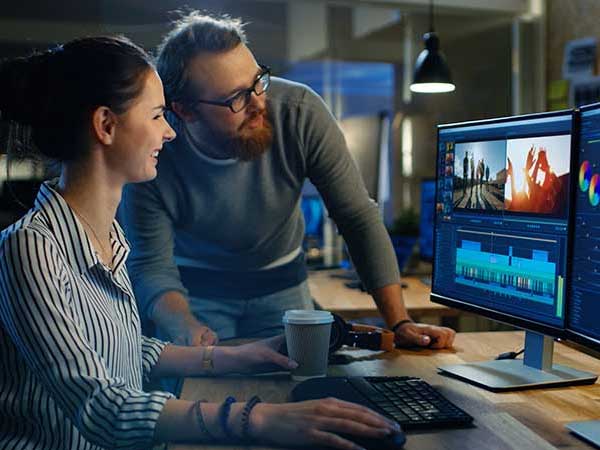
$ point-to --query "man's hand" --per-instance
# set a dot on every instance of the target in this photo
(191, 332)
(409, 334)
(419, 334)
(172, 316)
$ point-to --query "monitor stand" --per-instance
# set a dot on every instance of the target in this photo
(533, 371)
(588, 430)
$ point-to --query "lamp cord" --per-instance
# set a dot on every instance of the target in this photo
(431, 29)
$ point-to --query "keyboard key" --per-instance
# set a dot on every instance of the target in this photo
(413, 403)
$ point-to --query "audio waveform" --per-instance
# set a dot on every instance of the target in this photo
(526, 278)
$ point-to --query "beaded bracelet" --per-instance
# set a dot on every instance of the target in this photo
(255, 400)
(200, 420)
(224, 411)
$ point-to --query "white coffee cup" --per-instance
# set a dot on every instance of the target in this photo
(307, 335)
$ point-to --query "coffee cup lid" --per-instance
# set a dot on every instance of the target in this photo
(307, 317)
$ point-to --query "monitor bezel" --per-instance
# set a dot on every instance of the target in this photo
(511, 319)
(573, 335)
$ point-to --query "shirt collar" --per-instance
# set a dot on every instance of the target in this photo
(70, 234)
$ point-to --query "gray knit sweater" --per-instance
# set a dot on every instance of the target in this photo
(242, 216)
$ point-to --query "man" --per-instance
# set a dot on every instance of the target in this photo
(465, 171)
(472, 164)
(217, 235)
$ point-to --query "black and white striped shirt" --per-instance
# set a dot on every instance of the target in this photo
(72, 357)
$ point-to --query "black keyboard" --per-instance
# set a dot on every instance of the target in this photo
(412, 402)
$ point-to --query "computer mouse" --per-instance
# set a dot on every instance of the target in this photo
(394, 441)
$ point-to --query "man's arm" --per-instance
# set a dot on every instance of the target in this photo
(155, 277)
(171, 314)
(332, 170)
(391, 306)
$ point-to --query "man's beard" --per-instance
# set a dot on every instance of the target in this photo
(251, 143)
(246, 144)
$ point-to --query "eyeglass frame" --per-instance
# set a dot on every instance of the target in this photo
(247, 93)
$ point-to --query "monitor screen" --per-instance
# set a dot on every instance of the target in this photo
(426, 219)
(363, 137)
(584, 308)
(502, 218)
(312, 211)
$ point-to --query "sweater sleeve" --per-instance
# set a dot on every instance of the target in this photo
(331, 169)
(35, 311)
(149, 228)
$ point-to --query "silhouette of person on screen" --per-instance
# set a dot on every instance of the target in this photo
(546, 195)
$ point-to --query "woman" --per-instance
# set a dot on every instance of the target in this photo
(73, 359)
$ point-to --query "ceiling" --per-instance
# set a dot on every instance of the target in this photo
(31, 23)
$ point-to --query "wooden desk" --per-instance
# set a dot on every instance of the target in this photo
(523, 420)
(331, 294)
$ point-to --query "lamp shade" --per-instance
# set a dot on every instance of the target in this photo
(432, 73)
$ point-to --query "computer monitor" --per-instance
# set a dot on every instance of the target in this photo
(367, 138)
(426, 219)
(501, 237)
(583, 308)
(313, 214)
(368, 141)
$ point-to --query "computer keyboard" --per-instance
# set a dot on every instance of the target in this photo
(412, 402)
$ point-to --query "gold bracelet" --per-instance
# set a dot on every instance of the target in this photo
(207, 361)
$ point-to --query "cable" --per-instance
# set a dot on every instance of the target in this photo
(510, 355)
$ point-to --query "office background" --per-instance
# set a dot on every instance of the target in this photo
(503, 54)
(506, 56)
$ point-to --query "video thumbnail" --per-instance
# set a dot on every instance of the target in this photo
(537, 171)
(480, 175)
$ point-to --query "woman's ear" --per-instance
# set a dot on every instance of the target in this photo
(104, 123)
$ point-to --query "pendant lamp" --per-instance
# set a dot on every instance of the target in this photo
(432, 74)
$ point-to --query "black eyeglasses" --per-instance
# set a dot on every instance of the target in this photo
(240, 100)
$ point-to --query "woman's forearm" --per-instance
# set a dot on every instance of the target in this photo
(182, 361)
(179, 422)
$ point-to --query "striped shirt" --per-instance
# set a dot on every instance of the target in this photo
(72, 357)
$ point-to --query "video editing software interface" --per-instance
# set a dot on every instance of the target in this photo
(584, 309)
(426, 219)
(502, 212)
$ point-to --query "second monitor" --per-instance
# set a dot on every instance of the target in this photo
(502, 230)
(426, 219)
(583, 309)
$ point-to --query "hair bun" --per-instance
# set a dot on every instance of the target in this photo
(23, 83)
(50, 95)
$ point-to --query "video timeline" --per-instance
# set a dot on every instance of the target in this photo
(523, 268)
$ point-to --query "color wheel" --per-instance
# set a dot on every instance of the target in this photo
(595, 190)
(585, 175)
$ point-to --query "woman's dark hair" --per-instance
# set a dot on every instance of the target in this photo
(193, 34)
(46, 99)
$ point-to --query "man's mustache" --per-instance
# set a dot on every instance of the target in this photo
(262, 112)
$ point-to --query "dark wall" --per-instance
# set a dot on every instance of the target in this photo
(143, 21)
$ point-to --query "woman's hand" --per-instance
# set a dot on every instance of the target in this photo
(317, 423)
(256, 357)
